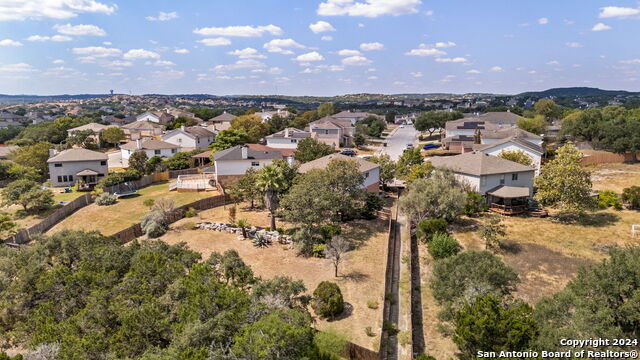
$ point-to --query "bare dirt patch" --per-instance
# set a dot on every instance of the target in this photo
(614, 177)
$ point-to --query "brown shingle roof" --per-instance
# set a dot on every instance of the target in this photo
(477, 163)
(142, 125)
(78, 155)
(363, 165)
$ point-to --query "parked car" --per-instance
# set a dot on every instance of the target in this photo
(408, 147)
(431, 146)
(402, 126)
(348, 152)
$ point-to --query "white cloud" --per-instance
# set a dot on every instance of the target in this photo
(181, 51)
(451, 60)
(473, 71)
(371, 46)
(282, 46)
(368, 8)
(360, 25)
(117, 64)
(310, 56)
(553, 62)
(417, 74)
(429, 13)
(58, 61)
(163, 63)
(399, 83)
(310, 71)
(496, 69)
(336, 68)
(247, 53)
(326, 38)
(600, 27)
(425, 50)
(136, 54)
(356, 61)
(321, 26)
(543, 21)
(348, 52)
(532, 72)
(163, 16)
(372, 78)
(445, 44)
(19, 67)
(569, 22)
(447, 78)
(9, 42)
(573, 44)
(52, 9)
(80, 30)
(274, 71)
(108, 43)
(97, 51)
(616, 11)
(219, 41)
(632, 61)
(239, 31)
(240, 64)
(57, 38)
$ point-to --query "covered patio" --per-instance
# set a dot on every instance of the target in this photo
(88, 179)
(508, 200)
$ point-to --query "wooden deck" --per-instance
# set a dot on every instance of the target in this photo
(508, 209)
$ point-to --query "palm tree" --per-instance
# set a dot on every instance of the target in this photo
(242, 223)
(271, 180)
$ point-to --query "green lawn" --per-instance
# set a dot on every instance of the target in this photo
(57, 196)
(126, 212)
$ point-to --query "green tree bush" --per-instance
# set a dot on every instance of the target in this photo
(427, 228)
(443, 245)
(327, 300)
(631, 196)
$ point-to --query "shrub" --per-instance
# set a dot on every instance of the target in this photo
(329, 231)
(428, 228)
(443, 245)
(303, 241)
(424, 357)
(190, 225)
(369, 331)
(330, 342)
(153, 224)
(474, 204)
(328, 301)
(149, 203)
(631, 196)
(116, 178)
(372, 204)
(372, 304)
(105, 199)
(190, 212)
(318, 250)
(232, 213)
(260, 240)
(608, 198)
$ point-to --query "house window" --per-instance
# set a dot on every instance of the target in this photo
(514, 177)
(255, 163)
(70, 178)
(294, 140)
(366, 175)
(57, 165)
(59, 179)
(173, 151)
(326, 132)
(483, 180)
(180, 140)
(103, 163)
(64, 178)
(502, 179)
(156, 152)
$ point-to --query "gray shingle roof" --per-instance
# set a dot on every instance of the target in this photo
(78, 155)
(477, 163)
(150, 144)
(142, 125)
(199, 131)
(293, 133)
(512, 139)
(363, 165)
(235, 153)
(224, 117)
(508, 132)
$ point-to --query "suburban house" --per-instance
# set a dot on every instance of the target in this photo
(5, 150)
(190, 138)
(152, 147)
(156, 117)
(231, 164)
(95, 128)
(287, 138)
(354, 117)
(332, 131)
(139, 129)
(76, 165)
(370, 170)
(506, 185)
(225, 117)
(267, 115)
(512, 144)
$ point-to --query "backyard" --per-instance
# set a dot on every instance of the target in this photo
(361, 276)
(126, 212)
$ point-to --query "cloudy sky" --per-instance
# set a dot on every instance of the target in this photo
(316, 47)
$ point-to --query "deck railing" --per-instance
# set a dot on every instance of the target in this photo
(508, 209)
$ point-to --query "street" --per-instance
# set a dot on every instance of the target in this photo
(397, 142)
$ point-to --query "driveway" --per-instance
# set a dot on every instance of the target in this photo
(397, 142)
(116, 160)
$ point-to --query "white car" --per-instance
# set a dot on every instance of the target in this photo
(402, 126)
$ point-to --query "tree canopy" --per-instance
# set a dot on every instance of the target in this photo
(252, 125)
(310, 149)
(228, 139)
(536, 125)
(437, 196)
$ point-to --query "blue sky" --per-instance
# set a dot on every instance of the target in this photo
(316, 47)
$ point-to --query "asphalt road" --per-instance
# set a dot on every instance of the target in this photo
(397, 142)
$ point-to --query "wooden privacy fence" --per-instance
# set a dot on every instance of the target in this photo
(175, 173)
(353, 351)
(609, 158)
(24, 236)
(135, 230)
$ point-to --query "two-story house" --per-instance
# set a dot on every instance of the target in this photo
(140, 129)
(76, 165)
(152, 147)
(190, 138)
(287, 138)
(506, 185)
(156, 117)
(332, 131)
(370, 170)
(231, 164)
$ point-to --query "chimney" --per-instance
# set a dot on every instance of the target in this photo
(245, 152)
(182, 127)
(286, 132)
(291, 160)
(52, 152)
(139, 144)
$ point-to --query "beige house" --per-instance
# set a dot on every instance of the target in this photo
(332, 131)
(139, 129)
(76, 165)
(370, 170)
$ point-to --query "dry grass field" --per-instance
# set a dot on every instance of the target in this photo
(614, 177)
(361, 277)
(126, 212)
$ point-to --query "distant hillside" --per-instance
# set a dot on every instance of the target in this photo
(574, 91)
(18, 99)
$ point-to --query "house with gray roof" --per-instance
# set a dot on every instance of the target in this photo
(190, 137)
(225, 117)
(370, 170)
(231, 164)
(68, 167)
(506, 185)
(333, 132)
(354, 116)
(513, 144)
(139, 129)
(287, 138)
(152, 147)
